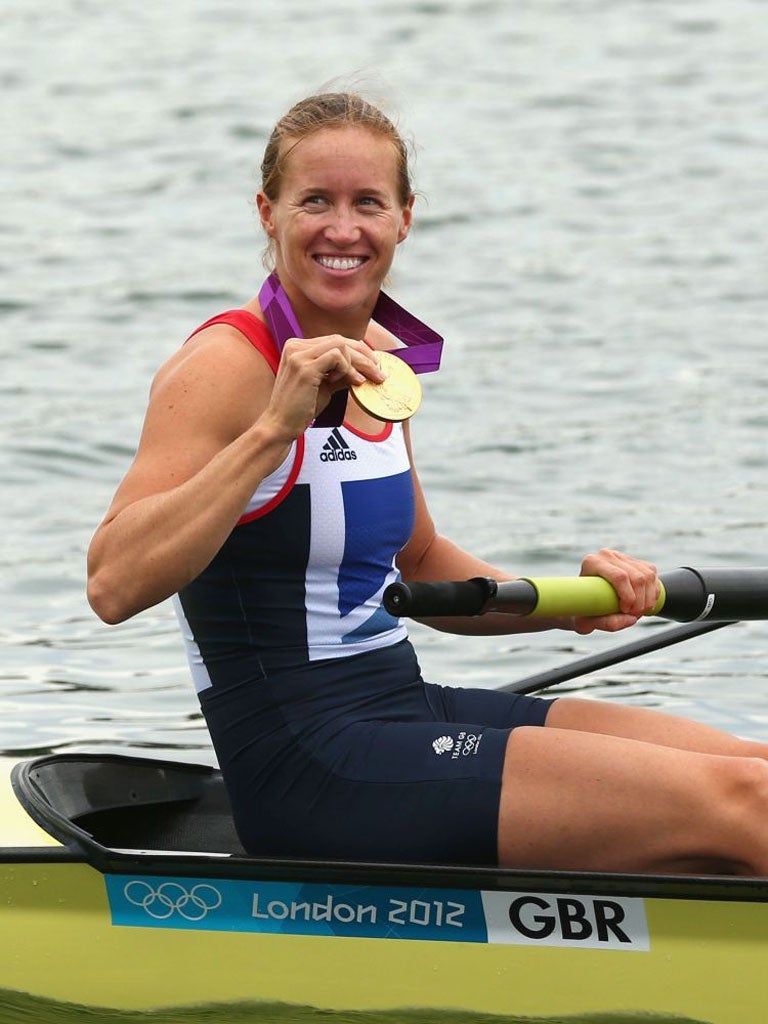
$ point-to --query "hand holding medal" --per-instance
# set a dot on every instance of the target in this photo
(396, 398)
(399, 396)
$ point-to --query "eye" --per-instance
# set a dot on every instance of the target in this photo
(315, 201)
(370, 201)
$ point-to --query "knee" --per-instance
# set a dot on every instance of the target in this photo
(745, 784)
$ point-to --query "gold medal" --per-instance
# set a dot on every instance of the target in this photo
(395, 399)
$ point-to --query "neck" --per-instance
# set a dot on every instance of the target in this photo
(319, 323)
(316, 322)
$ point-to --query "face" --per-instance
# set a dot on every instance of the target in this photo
(335, 225)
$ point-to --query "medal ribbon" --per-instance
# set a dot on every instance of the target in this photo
(423, 345)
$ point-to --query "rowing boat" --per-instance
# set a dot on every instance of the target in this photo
(124, 889)
(124, 886)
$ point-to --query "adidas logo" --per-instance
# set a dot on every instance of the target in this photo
(442, 744)
(336, 449)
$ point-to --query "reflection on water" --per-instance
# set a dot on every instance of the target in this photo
(18, 1007)
(591, 241)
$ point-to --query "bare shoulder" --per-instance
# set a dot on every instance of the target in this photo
(216, 366)
(204, 397)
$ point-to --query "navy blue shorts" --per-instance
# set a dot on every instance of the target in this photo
(359, 758)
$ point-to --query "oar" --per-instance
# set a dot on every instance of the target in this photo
(717, 595)
(595, 662)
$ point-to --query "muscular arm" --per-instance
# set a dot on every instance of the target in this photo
(204, 448)
(217, 424)
(431, 556)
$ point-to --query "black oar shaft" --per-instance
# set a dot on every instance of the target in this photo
(719, 594)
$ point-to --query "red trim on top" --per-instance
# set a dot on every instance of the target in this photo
(249, 325)
(257, 333)
(284, 490)
(381, 436)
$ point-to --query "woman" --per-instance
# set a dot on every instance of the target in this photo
(278, 536)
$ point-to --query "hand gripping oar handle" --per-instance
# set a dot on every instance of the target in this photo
(718, 595)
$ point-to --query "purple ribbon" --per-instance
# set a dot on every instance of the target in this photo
(423, 345)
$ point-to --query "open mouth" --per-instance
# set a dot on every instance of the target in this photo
(340, 262)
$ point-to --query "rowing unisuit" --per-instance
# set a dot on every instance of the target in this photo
(310, 557)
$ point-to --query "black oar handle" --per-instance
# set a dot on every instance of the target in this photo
(468, 597)
(718, 595)
(417, 600)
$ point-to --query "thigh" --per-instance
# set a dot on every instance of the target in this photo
(487, 707)
(422, 787)
(650, 725)
(587, 801)
(386, 791)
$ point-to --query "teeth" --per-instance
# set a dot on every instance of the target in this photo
(340, 263)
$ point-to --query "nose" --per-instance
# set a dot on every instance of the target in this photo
(342, 227)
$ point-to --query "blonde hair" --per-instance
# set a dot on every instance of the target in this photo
(330, 110)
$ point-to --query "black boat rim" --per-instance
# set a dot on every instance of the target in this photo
(116, 785)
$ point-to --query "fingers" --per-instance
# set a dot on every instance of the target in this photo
(636, 584)
(333, 361)
(604, 623)
(310, 371)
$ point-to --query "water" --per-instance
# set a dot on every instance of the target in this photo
(19, 1009)
(591, 241)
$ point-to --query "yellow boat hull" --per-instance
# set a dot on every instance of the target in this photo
(290, 939)
(704, 959)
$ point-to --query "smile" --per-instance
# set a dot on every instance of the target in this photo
(340, 262)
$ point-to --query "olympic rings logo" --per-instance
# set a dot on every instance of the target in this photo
(172, 898)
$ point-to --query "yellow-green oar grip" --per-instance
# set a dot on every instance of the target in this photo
(579, 595)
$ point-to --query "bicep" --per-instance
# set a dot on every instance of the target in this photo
(194, 412)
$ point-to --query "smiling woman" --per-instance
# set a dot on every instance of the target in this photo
(335, 218)
(278, 530)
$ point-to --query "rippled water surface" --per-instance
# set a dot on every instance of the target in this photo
(591, 239)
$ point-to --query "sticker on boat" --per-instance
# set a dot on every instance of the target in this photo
(549, 919)
(445, 915)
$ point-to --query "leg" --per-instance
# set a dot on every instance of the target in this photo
(649, 725)
(590, 801)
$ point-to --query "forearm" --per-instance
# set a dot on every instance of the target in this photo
(152, 547)
(444, 560)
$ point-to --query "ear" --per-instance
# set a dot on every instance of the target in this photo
(266, 216)
(406, 220)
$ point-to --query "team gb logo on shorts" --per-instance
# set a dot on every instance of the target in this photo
(442, 744)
